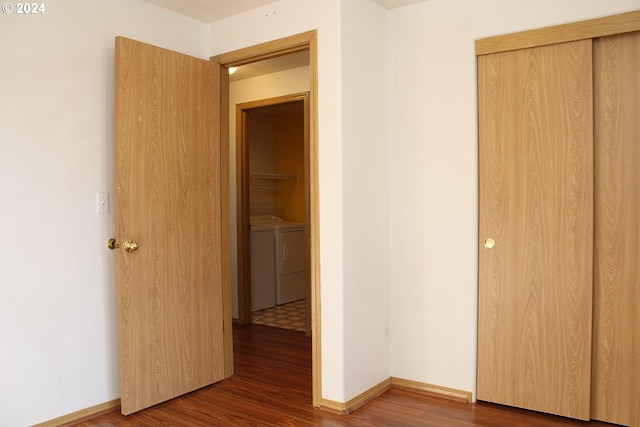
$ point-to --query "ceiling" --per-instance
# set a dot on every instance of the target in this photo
(214, 10)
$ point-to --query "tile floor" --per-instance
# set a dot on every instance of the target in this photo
(287, 316)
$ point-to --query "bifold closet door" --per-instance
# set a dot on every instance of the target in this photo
(536, 228)
(616, 344)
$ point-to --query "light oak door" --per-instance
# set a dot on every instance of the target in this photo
(616, 352)
(167, 179)
(536, 228)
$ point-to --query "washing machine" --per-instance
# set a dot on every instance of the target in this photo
(262, 268)
(278, 263)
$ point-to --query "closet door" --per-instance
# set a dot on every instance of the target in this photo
(616, 345)
(536, 228)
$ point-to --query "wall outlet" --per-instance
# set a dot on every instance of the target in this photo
(386, 334)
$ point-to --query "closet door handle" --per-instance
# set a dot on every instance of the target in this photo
(489, 243)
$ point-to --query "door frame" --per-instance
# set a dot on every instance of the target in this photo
(243, 201)
(272, 49)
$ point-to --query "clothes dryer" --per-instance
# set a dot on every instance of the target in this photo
(291, 263)
(278, 270)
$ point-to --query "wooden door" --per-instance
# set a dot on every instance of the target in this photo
(536, 203)
(169, 290)
(616, 351)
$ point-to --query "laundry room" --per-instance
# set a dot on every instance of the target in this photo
(269, 134)
(275, 145)
(276, 160)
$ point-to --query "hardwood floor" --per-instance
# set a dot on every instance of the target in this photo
(272, 387)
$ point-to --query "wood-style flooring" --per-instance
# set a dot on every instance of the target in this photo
(272, 387)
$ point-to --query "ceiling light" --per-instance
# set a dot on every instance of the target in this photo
(232, 70)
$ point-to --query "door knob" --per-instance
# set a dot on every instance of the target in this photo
(489, 243)
(130, 246)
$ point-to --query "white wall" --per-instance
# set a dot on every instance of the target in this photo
(433, 173)
(365, 186)
(57, 288)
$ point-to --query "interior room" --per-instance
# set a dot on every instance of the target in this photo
(269, 99)
(396, 220)
(277, 214)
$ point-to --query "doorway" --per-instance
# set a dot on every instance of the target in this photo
(272, 147)
(279, 48)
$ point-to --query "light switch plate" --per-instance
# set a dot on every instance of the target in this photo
(102, 200)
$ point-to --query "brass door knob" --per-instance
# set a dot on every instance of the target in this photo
(130, 246)
(489, 243)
